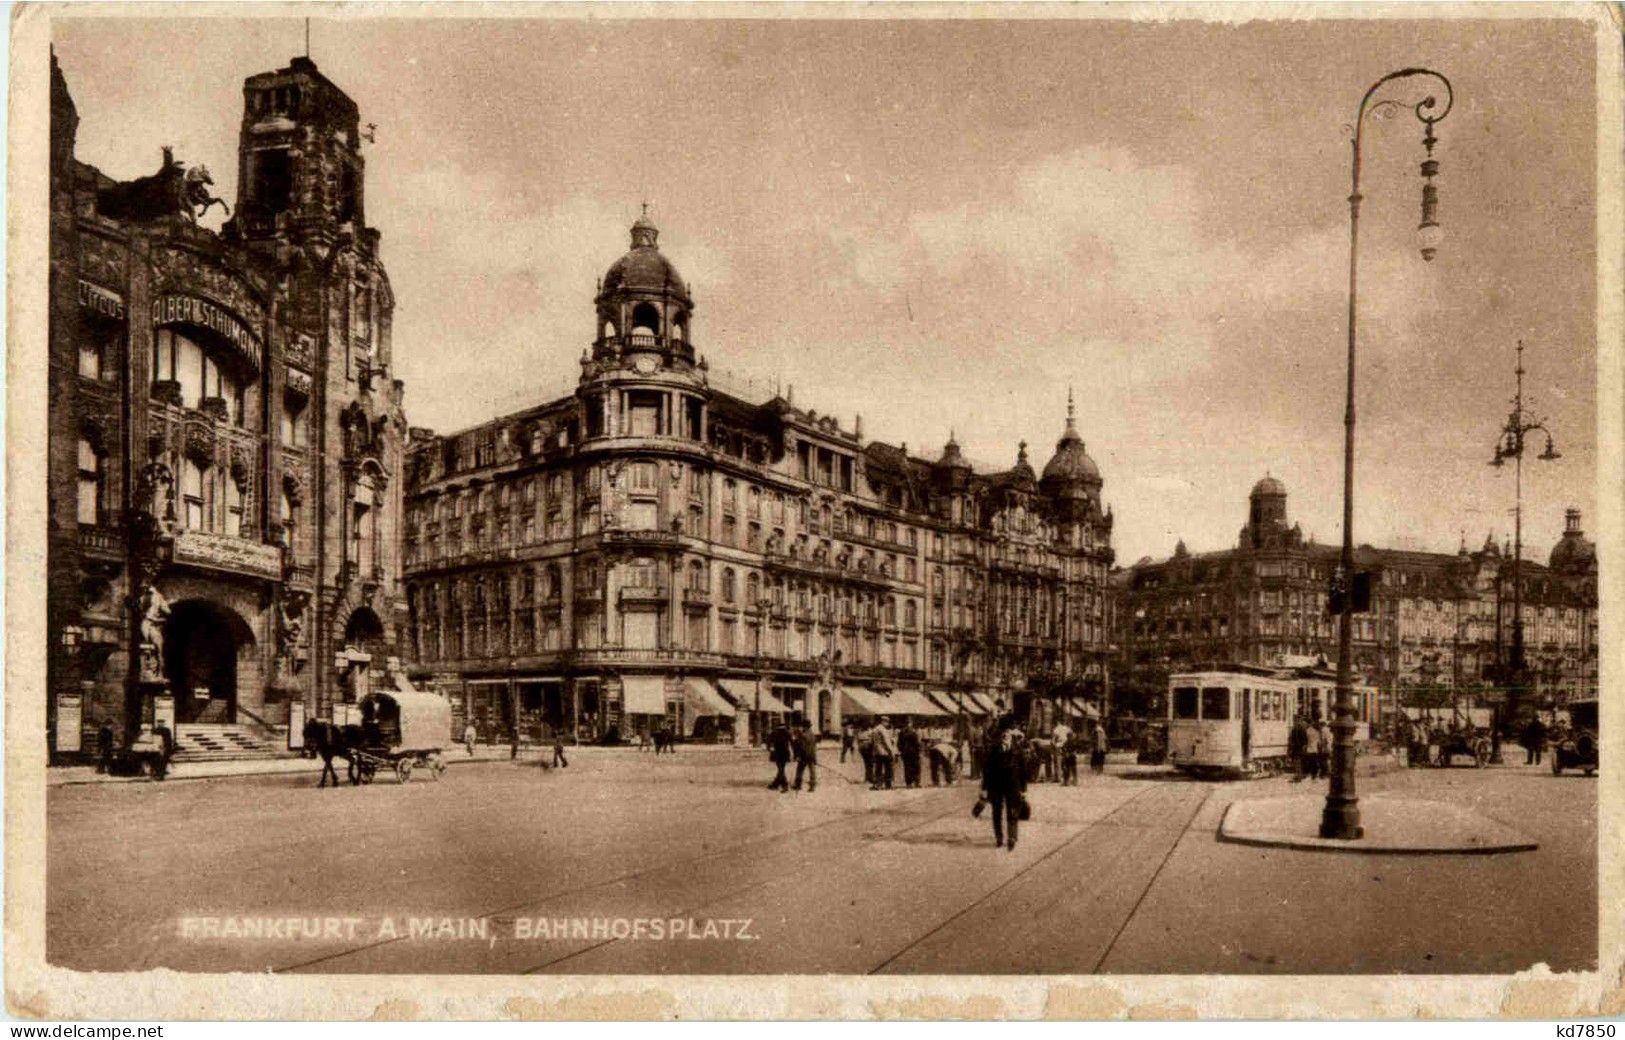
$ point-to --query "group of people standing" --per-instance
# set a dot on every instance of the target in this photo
(1309, 746)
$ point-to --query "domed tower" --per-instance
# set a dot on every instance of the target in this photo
(1574, 553)
(643, 304)
(641, 377)
(1071, 478)
(950, 480)
(1266, 514)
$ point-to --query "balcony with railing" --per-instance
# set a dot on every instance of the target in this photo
(614, 656)
(645, 595)
(101, 541)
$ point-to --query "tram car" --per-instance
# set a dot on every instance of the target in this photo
(1235, 720)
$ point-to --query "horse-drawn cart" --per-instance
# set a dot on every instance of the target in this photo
(402, 731)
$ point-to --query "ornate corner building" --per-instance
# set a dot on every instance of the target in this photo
(652, 547)
(1439, 623)
(225, 435)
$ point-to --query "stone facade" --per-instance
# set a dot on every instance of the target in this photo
(652, 546)
(225, 438)
(1440, 622)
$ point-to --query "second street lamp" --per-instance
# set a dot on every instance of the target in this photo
(1341, 817)
(1510, 445)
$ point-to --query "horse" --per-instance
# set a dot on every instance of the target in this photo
(330, 741)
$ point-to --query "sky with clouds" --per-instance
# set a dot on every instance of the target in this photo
(944, 224)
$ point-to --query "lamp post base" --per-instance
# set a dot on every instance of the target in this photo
(1341, 819)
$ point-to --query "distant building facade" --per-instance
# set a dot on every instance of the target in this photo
(652, 549)
(225, 436)
(1439, 622)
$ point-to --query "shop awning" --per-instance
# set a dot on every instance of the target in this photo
(746, 697)
(984, 701)
(909, 701)
(703, 699)
(644, 695)
(855, 700)
(946, 701)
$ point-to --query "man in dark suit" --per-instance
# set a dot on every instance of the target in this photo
(806, 752)
(778, 752)
(908, 749)
(1004, 779)
(104, 747)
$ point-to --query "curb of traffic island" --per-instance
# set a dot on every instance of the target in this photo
(1407, 827)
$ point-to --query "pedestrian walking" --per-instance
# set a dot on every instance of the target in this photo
(849, 740)
(1323, 749)
(104, 747)
(1059, 739)
(1004, 781)
(806, 752)
(909, 746)
(778, 752)
(1534, 741)
(885, 744)
(470, 734)
(558, 747)
(1069, 758)
(1097, 750)
(866, 750)
(1298, 747)
(942, 756)
(166, 746)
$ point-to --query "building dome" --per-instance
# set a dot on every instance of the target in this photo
(1022, 472)
(1268, 486)
(1070, 464)
(643, 268)
(1574, 551)
(951, 456)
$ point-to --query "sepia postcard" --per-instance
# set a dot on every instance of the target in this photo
(814, 512)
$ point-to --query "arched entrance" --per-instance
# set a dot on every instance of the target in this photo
(203, 643)
(364, 650)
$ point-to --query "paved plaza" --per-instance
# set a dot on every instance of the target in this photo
(628, 863)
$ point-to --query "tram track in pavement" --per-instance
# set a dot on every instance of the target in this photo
(510, 910)
(1063, 899)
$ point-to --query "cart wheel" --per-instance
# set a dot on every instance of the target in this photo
(403, 769)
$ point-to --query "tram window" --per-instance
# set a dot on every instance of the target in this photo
(1215, 702)
(1184, 702)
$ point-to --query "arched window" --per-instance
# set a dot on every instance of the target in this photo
(911, 615)
(608, 330)
(753, 590)
(90, 483)
(645, 320)
(891, 610)
(727, 585)
(696, 575)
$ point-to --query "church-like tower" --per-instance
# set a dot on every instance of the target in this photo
(301, 193)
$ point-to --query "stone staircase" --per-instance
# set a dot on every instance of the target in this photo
(216, 742)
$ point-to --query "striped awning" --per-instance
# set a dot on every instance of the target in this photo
(703, 699)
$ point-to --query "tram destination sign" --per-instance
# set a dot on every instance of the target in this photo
(221, 552)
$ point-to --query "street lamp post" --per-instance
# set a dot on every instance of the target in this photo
(1510, 445)
(1341, 817)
